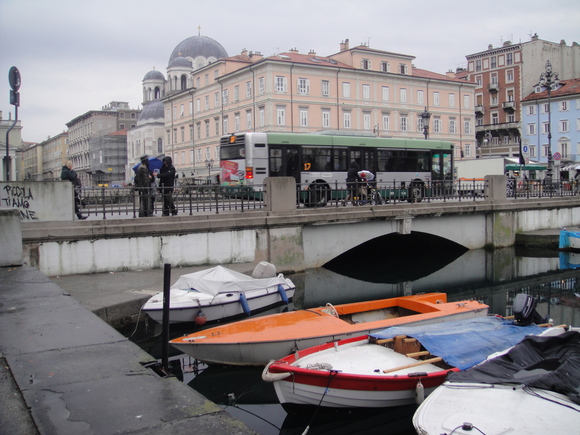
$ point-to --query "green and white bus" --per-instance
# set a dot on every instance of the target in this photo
(320, 162)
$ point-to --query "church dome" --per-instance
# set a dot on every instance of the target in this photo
(154, 75)
(151, 111)
(179, 62)
(198, 46)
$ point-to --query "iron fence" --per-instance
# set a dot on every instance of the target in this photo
(123, 202)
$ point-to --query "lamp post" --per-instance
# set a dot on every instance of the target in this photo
(209, 164)
(547, 80)
(426, 116)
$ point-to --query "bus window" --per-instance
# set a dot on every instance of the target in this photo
(423, 160)
(340, 159)
(316, 159)
(232, 152)
(275, 162)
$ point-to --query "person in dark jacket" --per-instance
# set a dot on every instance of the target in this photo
(69, 174)
(352, 179)
(143, 179)
(166, 183)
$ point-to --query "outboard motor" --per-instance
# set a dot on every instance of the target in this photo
(524, 309)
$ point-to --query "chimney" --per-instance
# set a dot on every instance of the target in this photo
(244, 52)
(312, 52)
(344, 45)
(293, 50)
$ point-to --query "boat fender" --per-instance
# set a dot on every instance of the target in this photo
(200, 318)
(272, 377)
(244, 304)
(419, 393)
(283, 293)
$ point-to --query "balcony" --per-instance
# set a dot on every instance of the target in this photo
(479, 110)
(509, 106)
(493, 87)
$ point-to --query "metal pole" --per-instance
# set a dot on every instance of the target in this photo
(7, 157)
(165, 330)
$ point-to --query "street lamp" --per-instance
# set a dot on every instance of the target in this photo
(426, 116)
(209, 164)
(547, 80)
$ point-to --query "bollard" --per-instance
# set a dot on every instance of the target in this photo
(165, 325)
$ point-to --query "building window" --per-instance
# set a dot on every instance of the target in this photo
(479, 81)
(207, 102)
(531, 110)
(385, 67)
(494, 118)
(248, 119)
(303, 86)
(226, 96)
(451, 100)
(366, 120)
(346, 119)
(237, 93)
(386, 120)
(226, 123)
(467, 126)
(509, 59)
(419, 122)
(420, 97)
(478, 65)
(346, 90)
(325, 88)
(261, 114)
(281, 85)
(159, 145)
(365, 64)
(564, 149)
(199, 156)
(217, 99)
(563, 106)
(436, 124)
(261, 85)
(564, 126)
(403, 69)
(216, 122)
(198, 128)
(303, 117)
(366, 91)
(325, 118)
(509, 76)
(531, 129)
(403, 95)
(182, 134)
(280, 115)
(236, 122)
(248, 89)
(436, 101)
(404, 122)
(452, 126)
(385, 93)
(197, 106)
(511, 117)
(206, 123)
(466, 102)
(493, 62)
(205, 81)
(532, 151)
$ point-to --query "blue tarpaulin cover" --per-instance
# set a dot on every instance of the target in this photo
(464, 343)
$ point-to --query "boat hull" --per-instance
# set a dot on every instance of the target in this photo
(257, 341)
(220, 308)
(495, 409)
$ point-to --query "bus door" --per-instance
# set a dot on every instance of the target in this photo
(365, 158)
(284, 161)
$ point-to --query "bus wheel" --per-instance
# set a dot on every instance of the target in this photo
(318, 194)
(415, 192)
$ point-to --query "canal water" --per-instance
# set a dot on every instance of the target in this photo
(494, 278)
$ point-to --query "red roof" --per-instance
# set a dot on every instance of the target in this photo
(567, 87)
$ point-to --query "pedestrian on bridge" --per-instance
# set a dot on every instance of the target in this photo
(143, 180)
(166, 177)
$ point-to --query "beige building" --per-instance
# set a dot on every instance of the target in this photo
(31, 161)
(358, 89)
(85, 145)
(54, 156)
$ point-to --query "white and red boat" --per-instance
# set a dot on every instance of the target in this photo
(394, 367)
(219, 293)
(258, 340)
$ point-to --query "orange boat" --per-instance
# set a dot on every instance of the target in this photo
(257, 341)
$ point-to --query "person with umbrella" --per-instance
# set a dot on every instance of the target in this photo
(166, 177)
(143, 180)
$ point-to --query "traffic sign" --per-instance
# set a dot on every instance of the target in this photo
(557, 156)
(14, 78)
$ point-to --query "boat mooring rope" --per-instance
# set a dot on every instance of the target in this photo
(331, 374)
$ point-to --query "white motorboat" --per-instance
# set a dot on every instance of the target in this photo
(532, 388)
(219, 293)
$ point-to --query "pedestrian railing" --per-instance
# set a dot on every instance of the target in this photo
(123, 202)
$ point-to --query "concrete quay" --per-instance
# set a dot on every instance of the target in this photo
(65, 371)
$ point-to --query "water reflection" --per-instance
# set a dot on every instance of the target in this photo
(491, 277)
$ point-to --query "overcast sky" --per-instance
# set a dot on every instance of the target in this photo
(79, 55)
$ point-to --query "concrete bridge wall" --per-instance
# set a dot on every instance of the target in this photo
(293, 240)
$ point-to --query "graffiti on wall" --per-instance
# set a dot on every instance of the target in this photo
(20, 198)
